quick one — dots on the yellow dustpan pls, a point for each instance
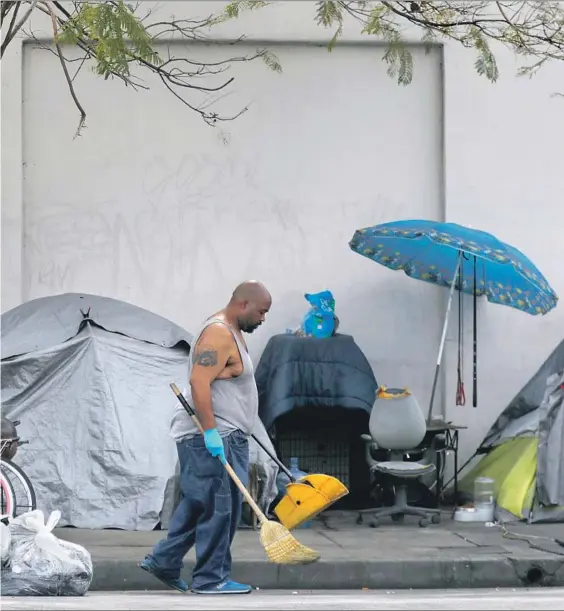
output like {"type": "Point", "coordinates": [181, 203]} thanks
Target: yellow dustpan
{"type": "Point", "coordinates": [305, 497]}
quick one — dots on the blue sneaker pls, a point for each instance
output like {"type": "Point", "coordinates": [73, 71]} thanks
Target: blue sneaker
{"type": "Point", "coordinates": [227, 587]}
{"type": "Point", "coordinates": [176, 583]}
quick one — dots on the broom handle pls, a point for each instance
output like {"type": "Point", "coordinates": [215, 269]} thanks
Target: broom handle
{"type": "Point", "coordinates": [260, 515]}
{"type": "Point", "coordinates": [275, 459]}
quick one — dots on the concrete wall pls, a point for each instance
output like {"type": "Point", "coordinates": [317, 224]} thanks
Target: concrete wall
{"type": "Point", "coordinates": [152, 206]}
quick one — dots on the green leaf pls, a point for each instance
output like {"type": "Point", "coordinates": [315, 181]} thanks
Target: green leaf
{"type": "Point", "coordinates": [271, 61]}
{"type": "Point", "coordinates": [233, 9]}
{"type": "Point", "coordinates": [374, 23]}
{"type": "Point", "coordinates": [334, 39]}
{"type": "Point", "coordinates": [485, 63]}
{"type": "Point", "coordinates": [392, 57]}
{"type": "Point", "coordinates": [114, 35]}
{"type": "Point", "coordinates": [428, 39]}
{"type": "Point", "coordinates": [405, 71]}
{"type": "Point", "coordinates": [328, 12]}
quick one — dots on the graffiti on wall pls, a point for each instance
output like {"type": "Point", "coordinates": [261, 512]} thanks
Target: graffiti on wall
{"type": "Point", "coordinates": [187, 225]}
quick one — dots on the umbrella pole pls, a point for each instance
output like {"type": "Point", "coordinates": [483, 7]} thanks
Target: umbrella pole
{"type": "Point", "coordinates": [475, 343]}
{"type": "Point", "coordinates": [443, 337]}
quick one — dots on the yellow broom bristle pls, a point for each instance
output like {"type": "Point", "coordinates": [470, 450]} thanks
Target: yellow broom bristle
{"type": "Point", "coordinates": [282, 548]}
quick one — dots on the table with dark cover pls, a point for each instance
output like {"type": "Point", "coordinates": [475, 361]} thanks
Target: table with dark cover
{"type": "Point", "coordinates": [297, 371]}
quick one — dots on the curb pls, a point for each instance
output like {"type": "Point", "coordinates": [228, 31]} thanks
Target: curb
{"type": "Point", "coordinates": [382, 574]}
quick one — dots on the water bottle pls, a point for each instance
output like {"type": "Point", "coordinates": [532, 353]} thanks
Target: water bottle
{"type": "Point", "coordinates": [297, 474]}
{"type": "Point", "coordinates": [484, 490]}
{"type": "Point", "coordinates": [295, 469]}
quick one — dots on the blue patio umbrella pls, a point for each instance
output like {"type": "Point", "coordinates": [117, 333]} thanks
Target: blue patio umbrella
{"type": "Point", "coordinates": [458, 257]}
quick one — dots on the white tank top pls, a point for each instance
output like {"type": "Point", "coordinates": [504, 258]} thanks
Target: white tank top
{"type": "Point", "coordinates": [234, 400]}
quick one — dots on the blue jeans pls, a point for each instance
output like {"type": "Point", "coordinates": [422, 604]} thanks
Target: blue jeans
{"type": "Point", "coordinates": [208, 513]}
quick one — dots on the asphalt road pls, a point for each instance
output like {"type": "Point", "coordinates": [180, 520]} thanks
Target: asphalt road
{"type": "Point", "coordinates": [530, 599]}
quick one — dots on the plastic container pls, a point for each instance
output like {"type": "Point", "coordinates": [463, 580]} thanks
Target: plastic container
{"type": "Point", "coordinates": [295, 468]}
{"type": "Point", "coordinates": [484, 490]}
{"type": "Point", "coordinates": [484, 497]}
{"type": "Point", "coordinates": [470, 514]}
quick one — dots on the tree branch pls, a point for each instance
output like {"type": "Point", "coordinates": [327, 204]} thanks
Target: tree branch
{"type": "Point", "coordinates": [119, 43]}
{"type": "Point", "coordinates": [82, 121]}
{"type": "Point", "coordinates": [530, 28]}
{"type": "Point", "coordinates": [12, 31]}
{"type": "Point", "coordinates": [211, 118]}
{"type": "Point", "coordinates": [13, 20]}
{"type": "Point", "coordinates": [85, 46]}
{"type": "Point", "coordinates": [5, 8]}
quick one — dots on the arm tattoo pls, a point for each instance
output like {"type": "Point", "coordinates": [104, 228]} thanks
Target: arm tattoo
{"type": "Point", "coordinates": [206, 356]}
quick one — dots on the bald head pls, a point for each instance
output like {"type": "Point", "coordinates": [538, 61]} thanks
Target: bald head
{"type": "Point", "coordinates": [251, 289]}
{"type": "Point", "coordinates": [249, 305]}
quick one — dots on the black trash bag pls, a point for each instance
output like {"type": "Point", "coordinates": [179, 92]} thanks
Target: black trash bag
{"type": "Point", "coordinates": [42, 565]}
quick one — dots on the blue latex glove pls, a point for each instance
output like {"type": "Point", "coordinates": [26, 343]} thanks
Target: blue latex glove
{"type": "Point", "coordinates": [214, 444]}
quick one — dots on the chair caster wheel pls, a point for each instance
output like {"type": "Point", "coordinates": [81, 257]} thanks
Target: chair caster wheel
{"type": "Point", "coordinates": [436, 518]}
{"type": "Point", "coordinates": [374, 524]}
{"type": "Point", "coordinates": [399, 517]}
{"type": "Point", "coordinates": [423, 522]}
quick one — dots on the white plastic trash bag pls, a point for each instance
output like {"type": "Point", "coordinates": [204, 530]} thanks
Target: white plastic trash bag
{"type": "Point", "coordinates": [5, 539]}
{"type": "Point", "coordinates": [41, 564]}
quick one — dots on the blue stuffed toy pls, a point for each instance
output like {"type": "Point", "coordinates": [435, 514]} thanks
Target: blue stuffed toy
{"type": "Point", "coordinates": [320, 319]}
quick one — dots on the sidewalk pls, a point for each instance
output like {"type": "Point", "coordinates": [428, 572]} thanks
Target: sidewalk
{"type": "Point", "coordinates": [394, 556]}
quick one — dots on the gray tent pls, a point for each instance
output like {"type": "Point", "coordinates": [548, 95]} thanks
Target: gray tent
{"type": "Point", "coordinates": [88, 377]}
{"type": "Point", "coordinates": [525, 448]}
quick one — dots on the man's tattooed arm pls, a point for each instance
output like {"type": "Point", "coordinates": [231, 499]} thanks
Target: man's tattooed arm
{"type": "Point", "coordinates": [209, 359]}
{"type": "Point", "coordinates": [206, 356]}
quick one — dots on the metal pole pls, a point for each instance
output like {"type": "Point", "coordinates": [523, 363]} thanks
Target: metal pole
{"type": "Point", "coordinates": [475, 342]}
{"type": "Point", "coordinates": [443, 337]}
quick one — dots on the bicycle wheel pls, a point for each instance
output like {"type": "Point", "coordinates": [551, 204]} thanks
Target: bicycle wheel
{"type": "Point", "coordinates": [24, 493]}
{"type": "Point", "coordinates": [8, 497]}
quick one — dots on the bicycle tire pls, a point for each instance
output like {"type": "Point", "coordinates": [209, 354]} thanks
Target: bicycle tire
{"type": "Point", "coordinates": [7, 466]}
{"type": "Point", "coordinates": [8, 506]}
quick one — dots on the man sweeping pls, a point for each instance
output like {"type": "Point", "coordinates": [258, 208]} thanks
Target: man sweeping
{"type": "Point", "coordinates": [224, 395]}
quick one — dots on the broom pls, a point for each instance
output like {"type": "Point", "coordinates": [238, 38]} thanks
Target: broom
{"type": "Point", "coordinates": [280, 546]}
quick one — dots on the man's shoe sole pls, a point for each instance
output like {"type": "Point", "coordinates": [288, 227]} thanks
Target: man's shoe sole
{"type": "Point", "coordinates": [162, 579]}
{"type": "Point", "coordinates": [221, 592]}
